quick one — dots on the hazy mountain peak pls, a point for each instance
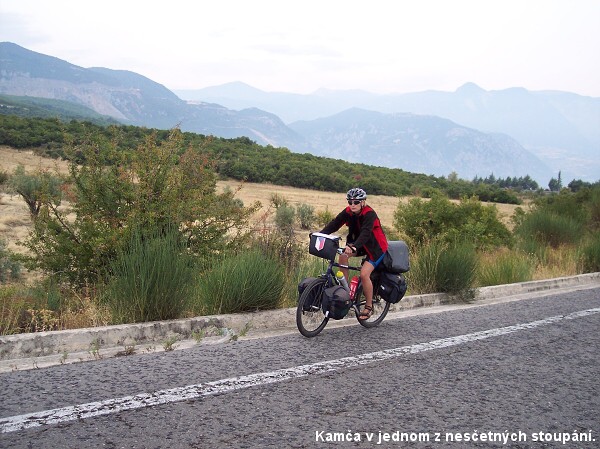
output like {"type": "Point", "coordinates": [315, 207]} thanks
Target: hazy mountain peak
{"type": "Point", "coordinates": [469, 89]}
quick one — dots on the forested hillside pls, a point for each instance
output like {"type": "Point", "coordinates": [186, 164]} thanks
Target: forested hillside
{"type": "Point", "coordinates": [243, 159]}
{"type": "Point", "coordinates": [47, 108]}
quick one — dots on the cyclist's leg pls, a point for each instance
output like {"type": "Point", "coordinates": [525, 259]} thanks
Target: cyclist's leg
{"type": "Point", "coordinates": [367, 286]}
{"type": "Point", "coordinates": [343, 260]}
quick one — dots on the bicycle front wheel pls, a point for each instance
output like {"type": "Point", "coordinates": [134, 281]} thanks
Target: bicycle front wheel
{"type": "Point", "coordinates": [310, 319]}
{"type": "Point", "coordinates": [380, 308]}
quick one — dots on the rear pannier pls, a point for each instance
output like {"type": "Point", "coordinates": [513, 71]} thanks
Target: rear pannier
{"type": "Point", "coordinates": [396, 257]}
{"type": "Point", "coordinates": [392, 287]}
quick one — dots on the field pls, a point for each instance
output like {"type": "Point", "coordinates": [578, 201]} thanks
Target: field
{"type": "Point", "coordinates": [15, 221]}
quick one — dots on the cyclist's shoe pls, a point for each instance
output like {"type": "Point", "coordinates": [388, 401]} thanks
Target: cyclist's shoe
{"type": "Point", "coordinates": [366, 313]}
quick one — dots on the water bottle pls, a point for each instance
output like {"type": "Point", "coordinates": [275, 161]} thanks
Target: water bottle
{"type": "Point", "coordinates": [353, 284]}
{"type": "Point", "coordinates": [342, 280]}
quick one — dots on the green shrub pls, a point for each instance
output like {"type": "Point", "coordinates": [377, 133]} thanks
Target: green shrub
{"type": "Point", "coordinates": [549, 228]}
{"type": "Point", "coordinates": [112, 191]}
{"type": "Point", "coordinates": [309, 266]}
{"type": "Point", "coordinates": [284, 217]}
{"type": "Point", "coordinates": [306, 215]}
{"type": "Point", "coordinates": [246, 282]}
{"type": "Point", "coordinates": [324, 217]}
{"type": "Point", "coordinates": [10, 268]}
{"type": "Point", "coordinates": [36, 188]}
{"type": "Point", "coordinates": [440, 219]}
{"type": "Point", "coordinates": [590, 255]}
{"type": "Point", "coordinates": [456, 271]}
{"type": "Point", "coordinates": [423, 268]}
{"type": "Point", "coordinates": [152, 278]}
{"type": "Point", "coordinates": [506, 268]}
{"type": "Point", "coordinates": [444, 267]}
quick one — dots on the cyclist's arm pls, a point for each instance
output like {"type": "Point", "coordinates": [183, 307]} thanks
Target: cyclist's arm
{"type": "Point", "coordinates": [335, 224]}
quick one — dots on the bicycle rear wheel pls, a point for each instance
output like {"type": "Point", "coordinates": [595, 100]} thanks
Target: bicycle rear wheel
{"type": "Point", "coordinates": [380, 307]}
{"type": "Point", "coordinates": [310, 319]}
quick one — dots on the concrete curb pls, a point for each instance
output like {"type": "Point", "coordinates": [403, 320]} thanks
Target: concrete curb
{"type": "Point", "coordinates": [115, 340]}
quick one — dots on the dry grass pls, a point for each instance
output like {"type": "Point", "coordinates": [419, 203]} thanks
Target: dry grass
{"type": "Point", "coordinates": [334, 202]}
{"type": "Point", "coordinates": [11, 158]}
{"type": "Point", "coordinates": [563, 261]}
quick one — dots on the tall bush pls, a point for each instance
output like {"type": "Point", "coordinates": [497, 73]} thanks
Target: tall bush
{"type": "Point", "coordinates": [306, 215]}
{"type": "Point", "coordinates": [457, 268]}
{"type": "Point", "coordinates": [506, 268]}
{"type": "Point", "coordinates": [442, 267]}
{"type": "Point", "coordinates": [548, 228]}
{"type": "Point", "coordinates": [284, 217]}
{"type": "Point", "coordinates": [37, 188]}
{"type": "Point", "coordinates": [246, 282]}
{"type": "Point", "coordinates": [153, 278]}
{"type": "Point", "coordinates": [590, 254]}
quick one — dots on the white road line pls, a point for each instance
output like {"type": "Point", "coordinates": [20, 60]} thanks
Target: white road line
{"type": "Point", "coordinates": [91, 409]}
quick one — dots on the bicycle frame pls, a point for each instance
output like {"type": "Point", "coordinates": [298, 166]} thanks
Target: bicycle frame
{"type": "Point", "coordinates": [329, 275]}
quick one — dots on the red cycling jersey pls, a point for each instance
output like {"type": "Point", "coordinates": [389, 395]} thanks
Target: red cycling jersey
{"type": "Point", "coordinates": [364, 231]}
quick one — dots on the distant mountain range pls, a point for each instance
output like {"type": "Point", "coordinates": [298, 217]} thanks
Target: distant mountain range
{"type": "Point", "coordinates": [131, 98]}
{"type": "Point", "coordinates": [473, 132]}
{"type": "Point", "coordinates": [417, 143]}
{"type": "Point", "coordinates": [562, 129]}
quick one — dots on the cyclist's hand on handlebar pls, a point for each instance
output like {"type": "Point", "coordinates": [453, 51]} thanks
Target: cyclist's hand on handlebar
{"type": "Point", "coordinates": [349, 250]}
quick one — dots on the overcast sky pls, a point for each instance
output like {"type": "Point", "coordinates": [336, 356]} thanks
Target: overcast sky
{"type": "Point", "coordinates": [302, 45]}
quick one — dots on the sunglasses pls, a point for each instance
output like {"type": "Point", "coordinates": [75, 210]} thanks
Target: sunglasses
{"type": "Point", "coordinates": [355, 202]}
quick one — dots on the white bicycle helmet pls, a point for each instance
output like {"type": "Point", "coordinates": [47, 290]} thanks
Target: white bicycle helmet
{"type": "Point", "coordinates": [356, 194]}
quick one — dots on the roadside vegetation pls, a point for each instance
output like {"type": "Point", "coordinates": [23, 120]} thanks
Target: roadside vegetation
{"type": "Point", "coordinates": [136, 230]}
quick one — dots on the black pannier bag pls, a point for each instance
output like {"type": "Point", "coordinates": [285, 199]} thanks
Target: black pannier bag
{"type": "Point", "coordinates": [396, 259]}
{"type": "Point", "coordinates": [392, 287]}
{"type": "Point", "coordinates": [324, 245]}
{"type": "Point", "coordinates": [309, 302]}
{"type": "Point", "coordinates": [336, 301]}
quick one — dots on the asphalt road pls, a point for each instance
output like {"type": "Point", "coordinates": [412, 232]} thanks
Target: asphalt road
{"type": "Point", "coordinates": [518, 374]}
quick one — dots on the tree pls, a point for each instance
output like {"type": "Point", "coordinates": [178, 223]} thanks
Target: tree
{"type": "Point", "coordinates": [555, 184]}
{"type": "Point", "coordinates": [113, 193]}
{"type": "Point", "coordinates": [36, 188]}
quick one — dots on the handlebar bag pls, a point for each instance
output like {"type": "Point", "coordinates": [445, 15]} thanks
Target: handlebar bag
{"type": "Point", "coordinates": [324, 245]}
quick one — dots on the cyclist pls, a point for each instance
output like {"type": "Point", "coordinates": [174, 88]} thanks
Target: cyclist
{"type": "Point", "coordinates": [365, 238]}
